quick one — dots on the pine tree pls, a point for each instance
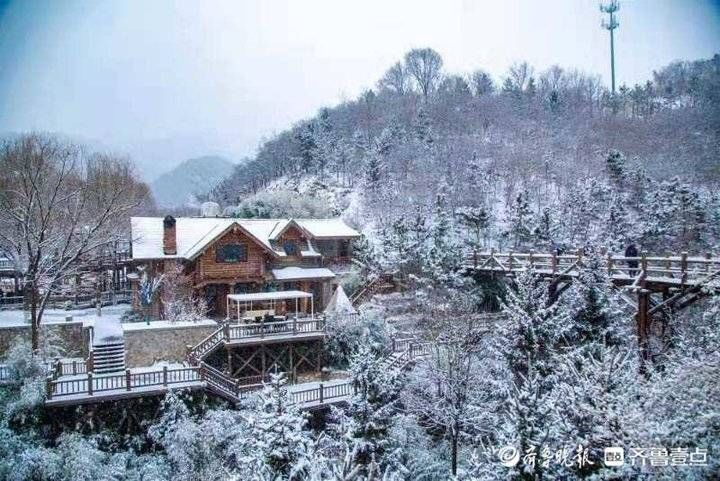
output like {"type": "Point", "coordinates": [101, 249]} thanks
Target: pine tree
{"type": "Point", "coordinates": [477, 221]}
{"type": "Point", "coordinates": [423, 128]}
{"type": "Point", "coordinates": [620, 231]}
{"type": "Point", "coordinates": [277, 431]}
{"type": "Point", "coordinates": [526, 347]}
{"type": "Point", "coordinates": [441, 259]}
{"type": "Point", "coordinates": [596, 365]}
{"type": "Point", "coordinates": [305, 137]}
{"type": "Point", "coordinates": [369, 415]}
{"type": "Point", "coordinates": [546, 228]}
{"type": "Point", "coordinates": [518, 220]}
{"type": "Point", "coordinates": [615, 165]}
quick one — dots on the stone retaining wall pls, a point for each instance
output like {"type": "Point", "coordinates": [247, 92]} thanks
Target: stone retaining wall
{"type": "Point", "coordinates": [70, 335]}
{"type": "Point", "coordinates": [162, 341]}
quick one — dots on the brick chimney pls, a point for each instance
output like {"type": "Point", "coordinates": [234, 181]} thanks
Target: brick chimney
{"type": "Point", "coordinates": [169, 236]}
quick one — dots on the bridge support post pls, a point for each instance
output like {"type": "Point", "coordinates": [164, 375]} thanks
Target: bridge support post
{"type": "Point", "coordinates": [642, 324]}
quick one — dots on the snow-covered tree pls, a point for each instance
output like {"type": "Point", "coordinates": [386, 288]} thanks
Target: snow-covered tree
{"type": "Point", "coordinates": [525, 347]}
{"type": "Point", "coordinates": [615, 165]}
{"type": "Point", "coordinates": [59, 207]}
{"type": "Point", "coordinates": [519, 219]}
{"type": "Point", "coordinates": [443, 253]}
{"type": "Point", "coordinates": [179, 300]}
{"type": "Point", "coordinates": [445, 389]}
{"type": "Point", "coordinates": [277, 435]}
{"type": "Point", "coordinates": [370, 412]}
{"type": "Point", "coordinates": [477, 221]}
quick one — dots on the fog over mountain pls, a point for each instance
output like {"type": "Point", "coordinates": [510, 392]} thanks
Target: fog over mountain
{"type": "Point", "coordinates": [165, 81]}
{"type": "Point", "coordinates": [181, 186]}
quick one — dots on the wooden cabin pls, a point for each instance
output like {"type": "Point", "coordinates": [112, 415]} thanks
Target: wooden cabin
{"type": "Point", "coordinates": [235, 256]}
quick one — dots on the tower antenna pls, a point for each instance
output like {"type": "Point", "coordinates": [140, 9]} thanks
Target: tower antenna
{"type": "Point", "coordinates": [611, 24]}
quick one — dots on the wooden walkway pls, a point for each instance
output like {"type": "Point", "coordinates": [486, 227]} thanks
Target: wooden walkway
{"type": "Point", "coordinates": [68, 390]}
{"type": "Point", "coordinates": [677, 270]}
{"type": "Point", "coordinates": [661, 284]}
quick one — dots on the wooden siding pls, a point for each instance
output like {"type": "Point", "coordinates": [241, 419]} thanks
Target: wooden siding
{"type": "Point", "coordinates": [293, 234]}
{"type": "Point", "coordinates": [207, 269]}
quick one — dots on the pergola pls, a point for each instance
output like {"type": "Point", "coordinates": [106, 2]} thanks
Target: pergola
{"type": "Point", "coordinates": [247, 300]}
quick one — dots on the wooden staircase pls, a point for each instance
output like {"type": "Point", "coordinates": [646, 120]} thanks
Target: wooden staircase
{"type": "Point", "coordinates": [378, 285]}
{"type": "Point", "coordinates": [109, 357]}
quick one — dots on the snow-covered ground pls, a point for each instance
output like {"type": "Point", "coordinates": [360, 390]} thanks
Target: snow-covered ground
{"type": "Point", "coordinates": [89, 317]}
{"type": "Point", "coordinates": [106, 326]}
{"type": "Point", "coordinates": [142, 326]}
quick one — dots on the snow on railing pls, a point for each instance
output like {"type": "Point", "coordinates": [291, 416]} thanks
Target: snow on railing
{"type": "Point", "coordinates": [259, 330]}
{"type": "Point", "coordinates": [680, 269]}
{"type": "Point", "coordinates": [119, 383]}
{"type": "Point", "coordinates": [275, 328]}
{"type": "Point", "coordinates": [61, 301]}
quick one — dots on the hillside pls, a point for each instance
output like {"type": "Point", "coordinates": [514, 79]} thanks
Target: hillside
{"type": "Point", "coordinates": [545, 159]}
{"type": "Point", "coordinates": [194, 177]}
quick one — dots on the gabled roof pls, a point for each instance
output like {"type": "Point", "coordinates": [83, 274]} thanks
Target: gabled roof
{"type": "Point", "coordinates": [195, 234]}
{"type": "Point", "coordinates": [284, 225]}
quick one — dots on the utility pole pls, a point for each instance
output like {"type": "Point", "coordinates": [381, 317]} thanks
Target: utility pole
{"type": "Point", "coordinates": [611, 24]}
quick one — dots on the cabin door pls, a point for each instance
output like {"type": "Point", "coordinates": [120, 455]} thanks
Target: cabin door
{"type": "Point", "coordinates": [216, 298]}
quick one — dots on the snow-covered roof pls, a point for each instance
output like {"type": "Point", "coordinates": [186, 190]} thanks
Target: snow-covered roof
{"type": "Point", "coordinates": [269, 296]}
{"type": "Point", "coordinates": [327, 228]}
{"type": "Point", "coordinates": [194, 234]}
{"type": "Point", "coordinates": [298, 273]}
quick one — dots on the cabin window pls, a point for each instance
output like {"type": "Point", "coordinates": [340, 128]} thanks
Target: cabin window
{"type": "Point", "coordinates": [231, 253]}
{"type": "Point", "coordinates": [290, 248]}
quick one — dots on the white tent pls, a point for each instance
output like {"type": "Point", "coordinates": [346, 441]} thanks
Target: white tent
{"type": "Point", "coordinates": [339, 303]}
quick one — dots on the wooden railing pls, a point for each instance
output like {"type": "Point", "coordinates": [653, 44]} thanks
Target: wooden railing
{"type": "Point", "coordinates": [323, 393]}
{"type": "Point", "coordinates": [220, 381]}
{"type": "Point", "coordinates": [60, 301]}
{"type": "Point", "coordinates": [207, 345]}
{"type": "Point", "coordinates": [269, 329]}
{"type": "Point", "coordinates": [67, 367]}
{"type": "Point", "coordinates": [259, 330]}
{"type": "Point", "coordinates": [681, 269]}
{"type": "Point", "coordinates": [127, 381]}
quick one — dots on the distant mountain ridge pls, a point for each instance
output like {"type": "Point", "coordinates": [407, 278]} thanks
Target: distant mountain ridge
{"type": "Point", "coordinates": [181, 186]}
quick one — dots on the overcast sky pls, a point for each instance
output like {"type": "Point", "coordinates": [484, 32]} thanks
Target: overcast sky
{"type": "Point", "coordinates": [164, 80]}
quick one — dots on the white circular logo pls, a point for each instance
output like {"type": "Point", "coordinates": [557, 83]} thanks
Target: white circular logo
{"type": "Point", "coordinates": [509, 456]}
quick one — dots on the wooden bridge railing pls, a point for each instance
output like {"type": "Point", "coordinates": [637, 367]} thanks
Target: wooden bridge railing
{"type": "Point", "coordinates": [680, 269]}
{"type": "Point", "coordinates": [127, 381]}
